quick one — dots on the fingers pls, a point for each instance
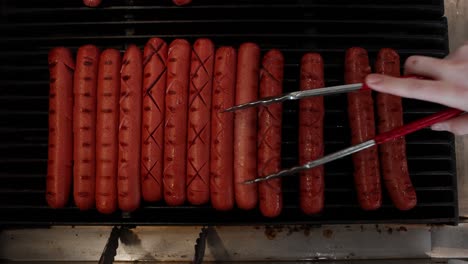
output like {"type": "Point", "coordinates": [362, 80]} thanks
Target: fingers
{"type": "Point", "coordinates": [428, 90]}
{"type": "Point", "coordinates": [428, 67]}
{"type": "Point", "coordinates": [457, 125]}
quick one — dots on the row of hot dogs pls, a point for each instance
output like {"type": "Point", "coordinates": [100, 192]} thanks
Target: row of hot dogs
{"type": "Point", "coordinates": [96, 3]}
{"type": "Point", "coordinates": [149, 126]}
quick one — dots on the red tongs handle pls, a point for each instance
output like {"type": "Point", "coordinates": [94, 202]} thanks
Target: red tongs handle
{"type": "Point", "coordinates": [417, 125]}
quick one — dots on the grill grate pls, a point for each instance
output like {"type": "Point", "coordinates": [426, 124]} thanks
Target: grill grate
{"type": "Point", "coordinates": [31, 28]}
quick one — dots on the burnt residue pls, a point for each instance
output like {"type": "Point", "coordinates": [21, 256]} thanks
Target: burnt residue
{"type": "Point", "coordinates": [402, 229]}
{"type": "Point", "coordinates": [273, 230]}
{"type": "Point", "coordinates": [389, 230]}
{"type": "Point", "coordinates": [378, 229]}
{"type": "Point", "coordinates": [328, 233]}
{"type": "Point", "coordinates": [270, 232]}
{"type": "Point", "coordinates": [292, 229]}
{"type": "Point", "coordinates": [307, 230]}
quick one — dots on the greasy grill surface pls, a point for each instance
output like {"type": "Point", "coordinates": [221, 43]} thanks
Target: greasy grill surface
{"type": "Point", "coordinates": [30, 28]}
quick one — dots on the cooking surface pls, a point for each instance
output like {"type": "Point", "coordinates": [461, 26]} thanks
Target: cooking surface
{"type": "Point", "coordinates": [31, 28]}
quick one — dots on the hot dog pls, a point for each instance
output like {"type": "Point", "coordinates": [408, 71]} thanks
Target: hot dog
{"type": "Point", "coordinates": [393, 153]}
{"type": "Point", "coordinates": [311, 113]}
{"type": "Point", "coordinates": [84, 126]}
{"type": "Point", "coordinates": [222, 129]}
{"type": "Point", "coordinates": [245, 126]}
{"type": "Point", "coordinates": [152, 153]}
{"type": "Point", "coordinates": [92, 3]}
{"type": "Point", "coordinates": [107, 130]}
{"type": "Point", "coordinates": [59, 165]}
{"type": "Point", "coordinates": [361, 120]}
{"type": "Point", "coordinates": [182, 2]}
{"type": "Point", "coordinates": [175, 129]}
{"type": "Point", "coordinates": [269, 134]}
{"type": "Point", "coordinates": [131, 75]}
{"type": "Point", "coordinates": [198, 130]}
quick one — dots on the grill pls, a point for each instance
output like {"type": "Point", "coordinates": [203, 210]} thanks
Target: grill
{"type": "Point", "coordinates": [31, 28]}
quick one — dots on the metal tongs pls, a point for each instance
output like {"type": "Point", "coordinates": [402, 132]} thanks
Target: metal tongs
{"type": "Point", "coordinates": [379, 139]}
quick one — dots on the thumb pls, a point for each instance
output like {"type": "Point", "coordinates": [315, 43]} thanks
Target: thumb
{"type": "Point", "coordinates": [457, 125]}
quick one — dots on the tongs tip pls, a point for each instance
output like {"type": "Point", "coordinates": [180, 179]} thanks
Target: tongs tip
{"type": "Point", "coordinates": [252, 181]}
{"type": "Point", "coordinates": [228, 110]}
{"type": "Point", "coordinates": [239, 107]}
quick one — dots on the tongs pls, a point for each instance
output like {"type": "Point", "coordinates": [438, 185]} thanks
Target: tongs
{"type": "Point", "coordinates": [379, 139]}
{"type": "Point", "coordinates": [346, 88]}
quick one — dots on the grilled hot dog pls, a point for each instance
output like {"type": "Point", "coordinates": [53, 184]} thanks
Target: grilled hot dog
{"type": "Point", "coordinates": [393, 153]}
{"type": "Point", "coordinates": [198, 134]}
{"type": "Point", "coordinates": [175, 129]}
{"type": "Point", "coordinates": [107, 130]}
{"type": "Point", "coordinates": [269, 134]}
{"type": "Point", "coordinates": [84, 126]}
{"type": "Point", "coordinates": [222, 129]}
{"type": "Point", "coordinates": [311, 112]}
{"type": "Point", "coordinates": [59, 165]}
{"type": "Point", "coordinates": [361, 119]}
{"type": "Point", "coordinates": [152, 147]}
{"type": "Point", "coordinates": [131, 81]}
{"type": "Point", "coordinates": [245, 126]}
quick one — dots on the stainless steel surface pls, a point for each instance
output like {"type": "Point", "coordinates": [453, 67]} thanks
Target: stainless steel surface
{"type": "Point", "coordinates": [456, 12]}
{"type": "Point", "coordinates": [239, 243]}
{"type": "Point", "coordinates": [312, 164]}
{"type": "Point", "coordinates": [223, 243]}
{"type": "Point", "coordinates": [298, 95]}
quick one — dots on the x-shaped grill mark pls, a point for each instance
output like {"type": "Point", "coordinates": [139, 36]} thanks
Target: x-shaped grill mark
{"type": "Point", "coordinates": [198, 135]}
{"type": "Point", "coordinates": [202, 62]}
{"type": "Point", "coordinates": [152, 85]}
{"type": "Point", "coordinates": [197, 173]}
{"type": "Point", "coordinates": [268, 112]}
{"type": "Point", "coordinates": [198, 94]}
{"type": "Point", "coordinates": [155, 51]}
{"type": "Point", "coordinates": [200, 89]}
{"type": "Point", "coordinates": [149, 173]}
{"type": "Point", "coordinates": [151, 134]}
{"type": "Point", "coordinates": [264, 141]}
{"type": "Point", "coordinates": [265, 72]}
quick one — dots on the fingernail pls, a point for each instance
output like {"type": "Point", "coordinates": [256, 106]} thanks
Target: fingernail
{"type": "Point", "coordinates": [374, 79]}
{"type": "Point", "coordinates": [439, 127]}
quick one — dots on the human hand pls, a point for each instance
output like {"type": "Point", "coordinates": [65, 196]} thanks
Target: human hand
{"type": "Point", "coordinates": [449, 85]}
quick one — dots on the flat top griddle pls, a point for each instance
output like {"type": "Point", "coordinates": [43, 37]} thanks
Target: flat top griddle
{"type": "Point", "coordinates": [30, 28]}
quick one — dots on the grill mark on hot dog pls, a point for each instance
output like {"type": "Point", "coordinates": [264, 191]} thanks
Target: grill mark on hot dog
{"type": "Point", "coordinates": [175, 126]}
{"type": "Point", "coordinates": [245, 126]}
{"type": "Point", "coordinates": [393, 154]}
{"type": "Point", "coordinates": [198, 148]}
{"type": "Point", "coordinates": [361, 118]}
{"type": "Point", "coordinates": [85, 117]}
{"type": "Point", "coordinates": [311, 114]}
{"type": "Point", "coordinates": [128, 183]}
{"type": "Point", "coordinates": [269, 134]}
